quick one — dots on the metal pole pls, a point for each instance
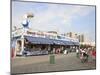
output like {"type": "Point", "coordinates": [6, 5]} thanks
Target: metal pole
{"type": "Point", "coordinates": [22, 42]}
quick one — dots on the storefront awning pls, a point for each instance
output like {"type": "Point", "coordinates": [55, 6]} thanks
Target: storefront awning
{"type": "Point", "coordinates": [76, 43]}
{"type": "Point", "coordinates": [68, 43]}
{"type": "Point", "coordinates": [38, 40]}
{"type": "Point", "coordinates": [58, 42]}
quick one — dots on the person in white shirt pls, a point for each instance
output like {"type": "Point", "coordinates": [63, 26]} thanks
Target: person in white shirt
{"type": "Point", "coordinates": [77, 52]}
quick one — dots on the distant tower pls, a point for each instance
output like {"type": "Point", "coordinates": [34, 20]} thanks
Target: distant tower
{"type": "Point", "coordinates": [69, 34]}
{"type": "Point", "coordinates": [81, 38]}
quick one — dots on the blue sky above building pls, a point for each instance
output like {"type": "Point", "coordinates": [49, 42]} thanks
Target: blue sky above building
{"type": "Point", "coordinates": [62, 18]}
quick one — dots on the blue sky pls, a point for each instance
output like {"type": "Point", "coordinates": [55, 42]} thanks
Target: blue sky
{"type": "Point", "coordinates": [61, 18]}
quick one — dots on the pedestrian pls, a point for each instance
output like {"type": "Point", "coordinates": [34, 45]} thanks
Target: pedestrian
{"type": "Point", "coordinates": [77, 52]}
{"type": "Point", "coordinates": [54, 50]}
{"type": "Point", "coordinates": [65, 51]}
{"type": "Point", "coordinates": [93, 54]}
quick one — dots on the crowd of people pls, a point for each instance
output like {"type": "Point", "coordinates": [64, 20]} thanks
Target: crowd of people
{"type": "Point", "coordinates": [84, 53]}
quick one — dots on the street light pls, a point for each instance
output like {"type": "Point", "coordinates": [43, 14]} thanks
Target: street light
{"type": "Point", "coordinates": [25, 24]}
{"type": "Point", "coordinates": [28, 15]}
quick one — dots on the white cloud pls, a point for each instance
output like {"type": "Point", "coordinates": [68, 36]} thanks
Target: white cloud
{"type": "Point", "coordinates": [58, 16]}
{"type": "Point", "coordinates": [55, 17]}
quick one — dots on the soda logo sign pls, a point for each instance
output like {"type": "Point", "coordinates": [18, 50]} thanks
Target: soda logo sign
{"type": "Point", "coordinates": [25, 23]}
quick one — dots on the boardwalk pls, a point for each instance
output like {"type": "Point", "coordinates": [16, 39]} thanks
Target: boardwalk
{"type": "Point", "coordinates": [41, 63]}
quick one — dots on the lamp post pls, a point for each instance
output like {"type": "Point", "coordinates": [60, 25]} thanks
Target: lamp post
{"type": "Point", "coordinates": [25, 24]}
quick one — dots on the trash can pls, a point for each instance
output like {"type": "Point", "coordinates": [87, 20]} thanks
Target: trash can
{"type": "Point", "coordinates": [52, 59]}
